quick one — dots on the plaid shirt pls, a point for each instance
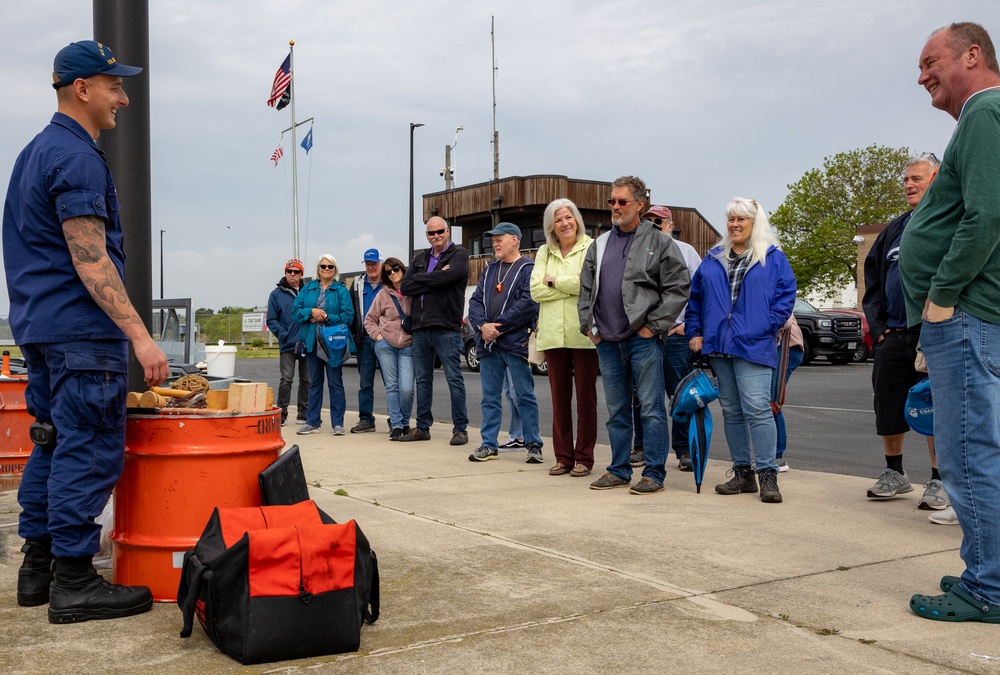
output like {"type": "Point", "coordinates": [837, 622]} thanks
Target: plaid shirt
{"type": "Point", "coordinates": [738, 266]}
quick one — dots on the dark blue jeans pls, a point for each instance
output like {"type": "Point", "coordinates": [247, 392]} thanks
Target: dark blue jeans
{"type": "Point", "coordinates": [318, 371]}
{"type": "Point", "coordinates": [634, 361]}
{"type": "Point", "coordinates": [367, 360]}
{"type": "Point", "coordinates": [78, 387]}
{"type": "Point", "coordinates": [447, 346]}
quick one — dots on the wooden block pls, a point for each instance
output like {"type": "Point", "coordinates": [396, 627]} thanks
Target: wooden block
{"type": "Point", "coordinates": [217, 399]}
{"type": "Point", "coordinates": [270, 398]}
{"type": "Point", "coordinates": [151, 399]}
{"type": "Point", "coordinates": [248, 397]}
{"type": "Point", "coordinates": [132, 400]}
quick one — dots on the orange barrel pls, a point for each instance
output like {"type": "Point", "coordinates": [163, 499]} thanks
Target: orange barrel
{"type": "Point", "coordinates": [178, 468]}
{"type": "Point", "coordinates": [15, 443]}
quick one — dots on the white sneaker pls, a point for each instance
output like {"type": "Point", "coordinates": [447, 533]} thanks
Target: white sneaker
{"type": "Point", "coordinates": [945, 517]}
{"type": "Point", "coordinates": [782, 465]}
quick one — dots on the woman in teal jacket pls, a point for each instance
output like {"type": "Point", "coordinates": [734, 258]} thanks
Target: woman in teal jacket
{"type": "Point", "coordinates": [324, 301]}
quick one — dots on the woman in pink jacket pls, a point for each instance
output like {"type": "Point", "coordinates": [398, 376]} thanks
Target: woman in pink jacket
{"type": "Point", "coordinates": [384, 323]}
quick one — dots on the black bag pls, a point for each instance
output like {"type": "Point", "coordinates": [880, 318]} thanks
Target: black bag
{"type": "Point", "coordinates": [284, 480]}
{"type": "Point", "coordinates": [274, 583]}
{"type": "Point", "coordinates": [407, 323]}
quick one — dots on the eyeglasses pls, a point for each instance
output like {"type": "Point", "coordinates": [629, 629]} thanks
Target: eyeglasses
{"type": "Point", "coordinates": [394, 268]}
{"type": "Point", "coordinates": [293, 271]}
{"type": "Point", "coordinates": [328, 267]}
{"type": "Point", "coordinates": [620, 202]}
{"type": "Point", "coordinates": [658, 221]}
{"type": "Point", "coordinates": [434, 233]}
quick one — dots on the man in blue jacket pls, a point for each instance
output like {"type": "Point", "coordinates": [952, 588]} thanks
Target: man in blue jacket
{"type": "Point", "coordinates": [502, 313]}
{"type": "Point", "coordinates": [286, 329]}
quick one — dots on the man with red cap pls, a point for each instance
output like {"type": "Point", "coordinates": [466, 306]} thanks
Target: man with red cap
{"type": "Point", "coordinates": [286, 329]}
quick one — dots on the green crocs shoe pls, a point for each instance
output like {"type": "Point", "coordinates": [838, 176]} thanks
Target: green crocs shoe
{"type": "Point", "coordinates": [955, 605]}
{"type": "Point", "coordinates": [947, 581]}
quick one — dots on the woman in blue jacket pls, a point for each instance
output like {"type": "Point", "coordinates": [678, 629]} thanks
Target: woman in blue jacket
{"type": "Point", "coordinates": [741, 296]}
{"type": "Point", "coordinates": [324, 301]}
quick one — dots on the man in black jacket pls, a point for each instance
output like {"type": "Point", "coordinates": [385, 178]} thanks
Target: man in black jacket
{"type": "Point", "coordinates": [436, 280]}
{"type": "Point", "coordinates": [896, 346]}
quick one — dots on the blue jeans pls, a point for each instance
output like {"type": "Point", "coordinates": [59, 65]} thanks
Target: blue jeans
{"type": "Point", "coordinates": [634, 361]}
{"type": "Point", "coordinates": [397, 371]}
{"type": "Point", "coordinates": [745, 395]}
{"type": "Point", "coordinates": [963, 360]}
{"type": "Point", "coordinates": [676, 364]}
{"type": "Point", "coordinates": [79, 388]}
{"type": "Point", "coordinates": [367, 361]}
{"type": "Point", "coordinates": [447, 346]}
{"type": "Point", "coordinates": [794, 361]}
{"type": "Point", "coordinates": [318, 369]}
{"type": "Point", "coordinates": [493, 369]}
{"type": "Point", "coordinates": [516, 430]}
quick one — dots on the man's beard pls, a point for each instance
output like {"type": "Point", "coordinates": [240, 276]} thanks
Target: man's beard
{"type": "Point", "coordinates": [619, 220]}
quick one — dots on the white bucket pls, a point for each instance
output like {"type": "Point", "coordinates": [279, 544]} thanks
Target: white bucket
{"type": "Point", "coordinates": [221, 360]}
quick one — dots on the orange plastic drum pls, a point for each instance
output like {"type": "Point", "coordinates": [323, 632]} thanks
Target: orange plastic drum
{"type": "Point", "coordinates": [178, 468]}
{"type": "Point", "coordinates": [15, 444]}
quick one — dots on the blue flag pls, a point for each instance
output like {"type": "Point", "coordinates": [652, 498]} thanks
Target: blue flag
{"type": "Point", "coordinates": [307, 142]}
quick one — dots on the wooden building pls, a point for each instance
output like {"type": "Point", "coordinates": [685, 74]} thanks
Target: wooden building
{"type": "Point", "coordinates": [522, 201]}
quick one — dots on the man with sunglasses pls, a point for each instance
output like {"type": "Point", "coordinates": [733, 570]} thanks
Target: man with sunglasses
{"type": "Point", "coordinates": [286, 329]}
{"type": "Point", "coordinates": [436, 280]}
{"type": "Point", "coordinates": [633, 285]}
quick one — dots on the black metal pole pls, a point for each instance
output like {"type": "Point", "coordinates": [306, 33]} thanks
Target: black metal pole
{"type": "Point", "coordinates": [124, 26]}
{"type": "Point", "coordinates": [410, 250]}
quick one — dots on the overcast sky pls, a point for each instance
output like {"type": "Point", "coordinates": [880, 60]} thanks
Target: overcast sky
{"type": "Point", "coordinates": [703, 99]}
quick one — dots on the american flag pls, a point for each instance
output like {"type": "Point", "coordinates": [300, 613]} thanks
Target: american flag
{"type": "Point", "coordinates": [276, 155]}
{"type": "Point", "coordinates": [282, 79]}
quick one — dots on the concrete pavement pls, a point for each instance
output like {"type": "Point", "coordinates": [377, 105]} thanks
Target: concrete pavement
{"type": "Point", "coordinates": [499, 567]}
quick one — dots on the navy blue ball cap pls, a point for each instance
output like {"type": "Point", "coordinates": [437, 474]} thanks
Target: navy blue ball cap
{"type": "Point", "coordinates": [505, 228]}
{"type": "Point", "coordinates": [80, 60]}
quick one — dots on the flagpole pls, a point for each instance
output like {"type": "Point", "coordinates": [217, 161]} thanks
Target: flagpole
{"type": "Point", "coordinates": [295, 174]}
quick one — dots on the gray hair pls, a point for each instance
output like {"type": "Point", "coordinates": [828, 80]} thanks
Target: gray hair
{"type": "Point", "coordinates": [549, 221]}
{"type": "Point", "coordinates": [635, 184]}
{"type": "Point", "coordinates": [928, 158]}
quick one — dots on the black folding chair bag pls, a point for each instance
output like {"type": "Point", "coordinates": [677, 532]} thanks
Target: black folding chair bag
{"type": "Point", "coordinates": [284, 480]}
{"type": "Point", "coordinates": [275, 583]}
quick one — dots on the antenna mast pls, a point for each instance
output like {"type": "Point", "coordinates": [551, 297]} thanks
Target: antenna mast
{"type": "Point", "coordinates": [496, 135]}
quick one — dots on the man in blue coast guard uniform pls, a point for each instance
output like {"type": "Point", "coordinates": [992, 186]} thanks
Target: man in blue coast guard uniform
{"type": "Point", "coordinates": [69, 312]}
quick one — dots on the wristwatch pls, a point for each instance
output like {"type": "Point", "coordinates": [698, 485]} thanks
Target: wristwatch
{"type": "Point", "coordinates": [551, 283]}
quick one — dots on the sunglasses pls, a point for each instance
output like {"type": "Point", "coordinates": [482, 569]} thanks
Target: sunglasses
{"type": "Point", "coordinates": [328, 267]}
{"type": "Point", "coordinates": [394, 268]}
{"type": "Point", "coordinates": [293, 271]}
{"type": "Point", "coordinates": [434, 233]}
{"type": "Point", "coordinates": [620, 202]}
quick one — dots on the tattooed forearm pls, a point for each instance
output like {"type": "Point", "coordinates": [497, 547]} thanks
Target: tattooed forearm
{"type": "Point", "coordinates": [85, 237]}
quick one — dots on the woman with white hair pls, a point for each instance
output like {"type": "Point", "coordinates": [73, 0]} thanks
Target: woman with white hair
{"type": "Point", "coordinates": [741, 296]}
{"type": "Point", "coordinates": [324, 301]}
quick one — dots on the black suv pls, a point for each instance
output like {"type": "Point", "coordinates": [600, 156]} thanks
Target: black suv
{"type": "Point", "coordinates": [835, 335]}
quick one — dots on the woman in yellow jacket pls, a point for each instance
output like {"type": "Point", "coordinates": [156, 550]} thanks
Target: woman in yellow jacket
{"type": "Point", "coordinates": [571, 357]}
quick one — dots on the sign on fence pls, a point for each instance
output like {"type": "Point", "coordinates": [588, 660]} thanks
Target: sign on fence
{"type": "Point", "coordinates": [253, 323]}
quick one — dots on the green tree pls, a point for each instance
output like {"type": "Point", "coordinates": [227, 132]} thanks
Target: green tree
{"type": "Point", "coordinates": [819, 218]}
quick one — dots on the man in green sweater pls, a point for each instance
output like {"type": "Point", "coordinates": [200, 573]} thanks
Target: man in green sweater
{"type": "Point", "coordinates": [949, 263]}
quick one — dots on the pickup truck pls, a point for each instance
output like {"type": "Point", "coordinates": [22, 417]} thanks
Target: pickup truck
{"type": "Point", "coordinates": [835, 335]}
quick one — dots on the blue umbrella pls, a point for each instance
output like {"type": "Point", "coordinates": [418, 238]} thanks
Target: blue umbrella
{"type": "Point", "coordinates": [690, 404]}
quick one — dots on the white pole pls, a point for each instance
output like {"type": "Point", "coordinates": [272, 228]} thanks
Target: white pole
{"type": "Point", "coordinates": [295, 173]}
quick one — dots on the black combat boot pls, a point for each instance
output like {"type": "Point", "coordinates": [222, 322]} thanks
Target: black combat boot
{"type": "Point", "coordinates": [769, 492]}
{"type": "Point", "coordinates": [79, 593]}
{"type": "Point", "coordinates": [35, 575]}
{"type": "Point", "coordinates": [743, 480]}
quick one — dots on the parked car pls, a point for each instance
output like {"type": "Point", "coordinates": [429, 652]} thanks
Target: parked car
{"type": "Point", "coordinates": [469, 350]}
{"type": "Point", "coordinates": [834, 334]}
{"type": "Point", "coordinates": [865, 349]}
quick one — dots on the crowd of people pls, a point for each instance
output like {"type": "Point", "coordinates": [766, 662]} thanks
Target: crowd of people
{"type": "Point", "coordinates": [631, 304]}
